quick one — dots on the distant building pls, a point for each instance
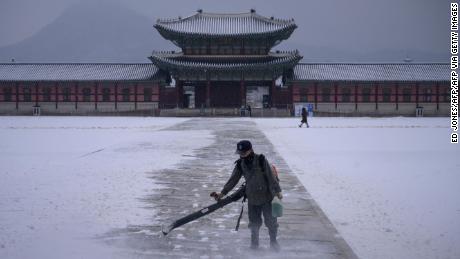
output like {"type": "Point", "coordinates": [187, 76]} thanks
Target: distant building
{"type": "Point", "coordinates": [226, 61]}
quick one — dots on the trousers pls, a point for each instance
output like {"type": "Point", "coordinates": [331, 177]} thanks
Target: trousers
{"type": "Point", "coordinates": [255, 213]}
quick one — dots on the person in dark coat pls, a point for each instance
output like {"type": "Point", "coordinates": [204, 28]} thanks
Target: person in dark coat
{"type": "Point", "coordinates": [261, 188]}
{"type": "Point", "coordinates": [249, 110]}
{"type": "Point", "coordinates": [304, 118]}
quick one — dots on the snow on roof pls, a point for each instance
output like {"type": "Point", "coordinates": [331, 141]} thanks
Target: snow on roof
{"type": "Point", "coordinates": [147, 71]}
{"type": "Point", "coordinates": [225, 24]}
{"type": "Point", "coordinates": [372, 72]}
{"type": "Point", "coordinates": [76, 71]}
{"type": "Point", "coordinates": [165, 59]}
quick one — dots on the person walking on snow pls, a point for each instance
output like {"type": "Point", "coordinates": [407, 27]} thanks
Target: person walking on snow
{"type": "Point", "coordinates": [261, 188]}
{"type": "Point", "coordinates": [304, 118]}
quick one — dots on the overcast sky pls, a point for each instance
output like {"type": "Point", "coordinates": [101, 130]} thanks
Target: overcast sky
{"type": "Point", "coordinates": [353, 24]}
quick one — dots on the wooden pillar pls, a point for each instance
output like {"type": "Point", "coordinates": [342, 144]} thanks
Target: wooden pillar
{"type": "Point", "coordinates": [159, 94]}
{"type": "Point", "coordinates": [397, 95]}
{"type": "Point", "coordinates": [356, 96]}
{"type": "Point", "coordinates": [17, 96]}
{"type": "Point", "coordinates": [208, 93]}
{"type": "Point", "coordinates": [316, 95]}
{"type": "Point", "coordinates": [336, 95]}
{"type": "Point", "coordinates": [272, 94]}
{"type": "Point", "coordinates": [116, 96]}
{"type": "Point", "coordinates": [376, 96]}
{"type": "Point", "coordinates": [36, 94]}
{"type": "Point", "coordinates": [135, 96]}
{"type": "Point", "coordinates": [76, 95]}
{"type": "Point", "coordinates": [416, 93]}
{"type": "Point", "coordinates": [56, 93]}
{"type": "Point", "coordinates": [95, 95]}
{"type": "Point", "coordinates": [437, 96]}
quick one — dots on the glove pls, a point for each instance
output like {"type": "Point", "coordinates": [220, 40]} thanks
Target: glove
{"type": "Point", "coordinates": [216, 195]}
{"type": "Point", "coordinates": [279, 195]}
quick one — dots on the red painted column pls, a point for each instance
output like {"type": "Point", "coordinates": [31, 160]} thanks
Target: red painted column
{"type": "Point", "coordinates": [272, 94]}
{"type": "Point", "coordinates": [135, 96]}
{"type": "Point", "coordinates": [316, 95]}
{"type": "Point", "coordinates": [95, 94]}
{"type": "Point", "coordinates": [376, 96]}
{"type": "Point", "coordinates": [158, 85]}
{"type": "Point", "coordinates": [76, 95]}
{"type": "Point", "coordinates": [437, 96]}
{"type": "Point", "coordinates": [291, 92]}
{"type": "Point", "coordinates": [335, 95]}
{"type": "Point", "coordinates": [17, 96]}
{"type": "Point", "coordinates": [356, 96]}
{"type": "Point", "coordinates": [56, 93]}
{"type": "Point", "coordinates": [36, 94]}
{"type": "Point", "coordinates": [416, 93]}
{"type": "Point", "coordinates": [116, 96]}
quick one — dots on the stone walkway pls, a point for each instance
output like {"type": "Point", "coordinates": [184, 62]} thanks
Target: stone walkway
{"type": "Point", "coordinates": [305, 232]}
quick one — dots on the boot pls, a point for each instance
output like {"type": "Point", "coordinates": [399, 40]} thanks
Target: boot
{"type": "Point", "coordinates": [254, 238]}
{"type": "Point", "coordinates": [273, 242]}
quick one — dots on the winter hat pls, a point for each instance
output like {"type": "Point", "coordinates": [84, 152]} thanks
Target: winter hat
{"type": "Point", "coordinates": [243, 146]}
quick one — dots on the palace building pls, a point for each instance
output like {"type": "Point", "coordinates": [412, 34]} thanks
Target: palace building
{"type": "Point", "coordinates": [225, 61]}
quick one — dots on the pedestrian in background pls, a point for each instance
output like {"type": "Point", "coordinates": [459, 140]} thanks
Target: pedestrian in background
{"type": "Point", "coordinates": [304, 118]}
{"type": "Point", "coordinates": [249, 110]}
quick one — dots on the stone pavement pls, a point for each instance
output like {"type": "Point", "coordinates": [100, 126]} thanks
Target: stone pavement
{"type": "Point", "coordinates": [304, 232]}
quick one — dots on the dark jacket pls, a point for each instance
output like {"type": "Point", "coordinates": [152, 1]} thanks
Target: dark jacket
{"type": "Point", "coordinates": [261, 186]}
{"type": "Point", "coordinates": [304, 115]}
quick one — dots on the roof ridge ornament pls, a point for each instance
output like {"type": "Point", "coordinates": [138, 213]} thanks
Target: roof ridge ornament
{"type": "Point", "coordinates": [253, 10]}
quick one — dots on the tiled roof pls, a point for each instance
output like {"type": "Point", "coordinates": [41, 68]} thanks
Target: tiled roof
{"type": "Point", "coordinates": [372, 72]}
{"type": "Point", "coordinates": [172, 60]}
{"type": "Point", "coordinates": [225, 24]}
{"type": "Point", "coordinates": [76, 71]}
{"type": "Point", "coordinates": [302, 71]}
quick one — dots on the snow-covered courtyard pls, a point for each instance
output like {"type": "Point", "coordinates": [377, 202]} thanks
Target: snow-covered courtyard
{"type": "Point", "coordinates": [389, 185]}
{"type": "Point", "coordinates": [65, 180]}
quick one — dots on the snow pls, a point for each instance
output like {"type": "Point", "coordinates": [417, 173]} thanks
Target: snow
{"type": "Point", "coordinates": [68, 180]}
{"type": "Point", "coordinates": [389, 185]}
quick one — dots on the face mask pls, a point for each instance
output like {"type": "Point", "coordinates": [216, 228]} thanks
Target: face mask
{"type": "Point", "coordinates": [249, 158]}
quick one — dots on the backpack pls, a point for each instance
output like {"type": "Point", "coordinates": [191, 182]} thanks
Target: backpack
{"type": "Point", "coordinates": [275, 172]}
{"type": "Point", "coordinates": [261, 164]}
{"type": "Point", "coordinates": [273, 167]}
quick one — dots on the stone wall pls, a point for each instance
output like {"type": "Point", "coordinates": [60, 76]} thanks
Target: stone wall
{"type": "Point", "coordinates": [80, 108]}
